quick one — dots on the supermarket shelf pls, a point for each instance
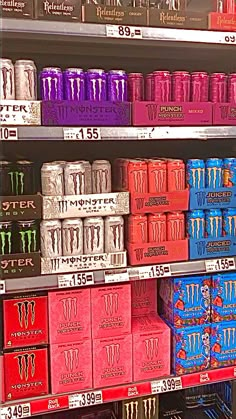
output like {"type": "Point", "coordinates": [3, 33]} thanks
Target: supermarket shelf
{"type": "Point", "coordinates": [59, 402]}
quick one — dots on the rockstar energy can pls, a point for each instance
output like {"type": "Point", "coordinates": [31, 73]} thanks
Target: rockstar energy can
{"type": "Point", "coordinates": [114, 234]}
{"type": "Point", "coordinates": [6, 238]}
{"type": "Point", "coordinates": [27, 236]}
{"type": "Point", "coordinates": [72, 237]}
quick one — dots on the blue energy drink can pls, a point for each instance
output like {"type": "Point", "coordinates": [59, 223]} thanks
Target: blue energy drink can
{"type": "Point", "coordinates": [214, 223]}
{"type": "Point", "coordinates": [196, 173]}
{"type": "Point", "coordinates": [229, 172]}
{"type": "Point", "coordinates": [214, 173]}
{"type": "Point", "coordinates": [196, 224]}
{"type": "Point", "coordinates": [229, 222]}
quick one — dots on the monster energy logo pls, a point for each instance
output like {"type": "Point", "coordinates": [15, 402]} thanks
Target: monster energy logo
{"type": "Point", "coordinates": [28, 240]}
{"type": "Point", "coordinates": [17, 182]}
{"type": "Point", "coordinates": [5, 238]}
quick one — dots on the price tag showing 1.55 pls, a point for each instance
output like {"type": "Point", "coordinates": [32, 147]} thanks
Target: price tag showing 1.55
{"type": "Point", "coordinates": [218, 265]}
{"type": "Point", "coordinates": [155, 271]}
{"type": "Point", "coordinates": [16, 411]}
{"type": "Point", "coordinates": [75, 280]}
{"type": "Point", "coordinates": [82, 134]}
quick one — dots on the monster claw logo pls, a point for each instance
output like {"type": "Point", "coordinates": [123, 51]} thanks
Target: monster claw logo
{"type": "Point", "coordinates": [113, 354]}
{"type": "Point", "coordinates": [230, 290]}
{"type": "Point", "coordinates": [111, 303]}
{"type": "Point", "coordinates": [55, 264]}
{"type": "Point", "coordinates": [152, 111]}
{"type": "Point", "coordinates": [25, 309]}
{"type": "Point", "coordinates": [196, 227]}
{"type": "Point", "coordinates": [97, 88]}
{"type": "Point", "coordinates": [160, 179]}
{"type": "Point", "coordinates": [78, 181]}
{"type": "Point", "coordinates": [191, 294]}
{"type": "Point", "coordinates": [151, 346]}
{"type": "Point", "coordinates": [6, 242]}
{"type": "Point", "coordinates": [71, 357]}
{"type": "Point", "coordinates": [28, 239]}
{"type": "Point", "coordinates": [5, 72]}
{"type": "Point", "coordinates": [30, 80]}
{"type": "Point", "coordinates": [176, 228]}
{"type": "Point", "coordinates": [139, 254]}
{"type": "Point", "coordinates": [197, 177]}
{"type": "Point", "coordinates": [26, 365]}
{"type": "Point", "coordinates": [229, 337]}
{"type": "Point", "coordinates": [69, 308]}
{"type": "Point", "coordinates": [194, 340]}
{"type": "Point", "coordinates": [158, 230]}
{"type": "Point", "coordinates": [55, 236]}
{"type": "Point", "coordinates": [63, 206]}
{"type": "Point", "coordinates": [17, 182]}
{"type": "Point", "coordinates": [201, 248]}
{"type": "Point", "coordinates": [149, 406]}
{"type": "Point", "coordinates": [139, 180]}
{"type": "Point", "coordinates": [75, 87]}
{"type": "Point", "coordinates": [139, 203]}
{"type": "Point", "coordinates": [201, 198]}
{"type": "Point", "coordinates": [131, 410]}
{"type": "Point", "coordinates": [91, 237]}
{"type": "Point", "coordinates": [140, 288]}
{"type": "Point", "coordinates": [117, 233]}
{"type": "Point", "coordinates": [120, 86]}
{"type": "Point", "coordinates": [179, 178]}
{"type": "Point", "coordinates": [71, 235]}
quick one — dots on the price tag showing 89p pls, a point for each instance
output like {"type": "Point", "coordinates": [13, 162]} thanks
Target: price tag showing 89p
{"type": "Point", "coordinates": [115, 31]}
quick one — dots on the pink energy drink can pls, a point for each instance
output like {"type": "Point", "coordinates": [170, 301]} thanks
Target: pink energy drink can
{"type": "Point", "coordinates": [161, 86]}
{"type": "Point", "coordinates": [218, 87]}
{"type": "Point", "coordinates": [199, 86]}
{"type": "Point", "coordinates": [149, 86]}
{"type": "Point", "coordinates": [232, 88]}
{"type": "Point", "coordinates": [181, 86]}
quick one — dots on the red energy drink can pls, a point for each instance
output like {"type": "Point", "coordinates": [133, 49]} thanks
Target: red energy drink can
{"type": "Point", "coordinates": [137, 229]}
{"type": "Point", "coordinates": [120, 180]}
{"type": "Point", "coordinates": [149, 84]}
{"type": "Point", "coordinates": [229, 6]}
{"type": "Point", "coordinates": [181, 81]}
{"type": "Point", "coordinates": [161, 86]}
{"type": "Point", "coordinates": [218, 88]}
{"type": "Point", "coordinates": [157, 228]}
{"type": "Point", "coordinates": [175, 226]}
{"type": "Point", "coordinates": [157, 176]}
{"type": "Point", "coordinates": [138, 176]}
{"type": "Point", "coordinates": [175, 175]}
{"type": "Point", "coordinates": [199, 86]}
{"type": "Point", "coordinates": [232, 88]}
{"type": "Point", "coordinates": [135, 87]}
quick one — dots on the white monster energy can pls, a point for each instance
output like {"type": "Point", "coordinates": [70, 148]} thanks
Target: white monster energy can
{"type": "Point", "coordinates": [25, 80]}
{"type": "Point", "coordinates": [51, 238]}
{"type": "Point", "coordinates": [72, 237]}
{"type": "Point", "coordinates": [52, 179]}
{"type": "Point", "coordinates": [114, 234]}
{"type": "Point", "coordinates": [77, 178]}
{"type": "Point", "coordinates": [101, 176]}
{"type": "Point", "coordinates": [93, 235]}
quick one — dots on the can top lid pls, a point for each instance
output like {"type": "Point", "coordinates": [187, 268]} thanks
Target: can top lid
{"type": "Point", "coordinates": [74, 70]}
{"type": "Point", "coordinates": [199, 73]}
{"type": "Point", "coordinates": [101, 162]}
{"type": "Point", "coordinates": [55, 69]}
{"type": "Point", "coordinates": [6, 223]}
{"type": "Point", "coordinates": [51, 165]}
{"type": "Point", "coordinates": [26, 222]}
{"type": "Point", "coordinates": [8, 60]}
{"type": "Point", "coordinates": [4, 162]}
{"type": "Point", "coordinates": [24, 162]}
{"type": "Point", "coordinates": [25, 61]}
{"type": "Point", "coordinates": [218, 74]}
{"type": "Point", "coordinates": [117, 72]}
{"type": "Point", "coordinates": [135, 75]}
{"type": "Point", "coordinates": [96, 70]}
{"type": "Point", "coordinates": [164, 72]}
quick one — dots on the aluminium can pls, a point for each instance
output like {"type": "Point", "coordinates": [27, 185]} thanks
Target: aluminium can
{"type": "Point", "coordinates": [114, 234]}
{"type": "Point", "coordinates": [196, 224]}
{"type": "Point", "coordinates": [149, 87]}
{"type": "Point", "coordinates": [96, 85]}
{"type": "Point", "coordinates": [196, 173]}
{"type": "Point", "coordinates": [176, 175]}
{"type": "Point", "coordinates": [51, 238]}
{"type": "Point", "coordinates": [27, 236]}
{"type": "Point", "coordinates": [101, 176]}
{"type": "Point", "coordinates": [52, 179]}
{"type": "Point", "coordinates": [214, 223]}
{"type": "Point", "coordinates": [157, 175]}
{"type": "Point", "coordinates": [229, 222]}
{"type": "Point", "coordinates": [25, 80]}
{"type": "Point", "coordinates": [6, 238]}
{"type": "Point", "coordinates": [51, 83]}
{"type": "Point", "coordinates": [137, 229]}
{"type": "Point", "coordinates": [77, 178]}
{"type": "Point", "coordinates": [229, 7]}
{"type": "Point", "coordinates": [6, 170]}
{"type": "Point", "coordinates": [137, 176]}
{"type": "Point", "coordinates": [214, 173]}
{"type": "Point", "coordinates": [7, 79]}
{"type": "Point", "coordinates": [72, 237]}
{"type": "Point", "coordinates": [229, 172]}
{"type": "Point", "coordinates": [181, 83]}
{"type": "Point", "coordinates": [161, 86]}
{"type": "Point", "coordinates": [74, 84]}
{"type": "Point", "coordinates": [117, 86]}
{"type": "Point", "coordinates": [218, 88]}
{"type": "Point", "coordinates": [24, 178]}
{"type": "Point", "coordinates": [199, 86]}
{"type": "Point", "coordinates": [135, 87]}
{"type": "Point", "coordinates": [94, 240]}
{"type": "Point", "coordinates": [175, 226]}
{"type": "Point", "coordinates": [231, 94]}
{"type": "Point", "coordinates": [157, 228]}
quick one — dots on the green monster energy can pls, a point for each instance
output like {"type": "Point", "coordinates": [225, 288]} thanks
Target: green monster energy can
{"type": "Point", "coordinates": [6, 238]}
{"type": "Point", "coordinates": [21, 177]}
{"type": "Point", "coordinates": [27, 236]}
{"type": "Point", "coordinates": [6, 167]}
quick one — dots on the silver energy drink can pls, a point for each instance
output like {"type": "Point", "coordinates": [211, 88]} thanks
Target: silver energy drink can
{"type": "Point", "coordinates": [52, 179]}
{"type": "Point", "coordinates": [7, 79]}
{"type": "Point", "coordinates": [51, 238]}
{"type": "Point", "coordinates": [72, 237]}
{"type": "Point", "coordinates": [114, 234]}
{"type": "Point", "coordinates": [77, 178]}
{"type": "Point", "coordinates": [93, 235]}
{"type": "Point", "coordinates": [25, 80]}
{"type": "Point", "coordinates": [101, 176]}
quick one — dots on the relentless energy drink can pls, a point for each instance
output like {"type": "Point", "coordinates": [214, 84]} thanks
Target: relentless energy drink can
{"type": "Point", "coordinates": [214, 223]}
{"type": "Point", "coordinates": [117, 86]}
{"type": "Point", "coordinates": [199, 86]}
{"type": "Point", "coordinates": [214, 173]}
{"type": "Point", "coordinates": [229, 172]}
{"type": "Point", "coordinates": [181, 86]}
{"type": "Point", "coordinates": [196, 173]}
{"type": "Point", "coordinates": [175, 226]}
{"type": "Point", "coordinates": [74, 84]}
{"type": "Point", "coordinates": [51, 238]}
{"type": "Point", "coordinates": [176, 175]}
{"type": "Point", "coordinates": [135, 87]}
{"type": "Point", "coordinates": [157, 231]}
{"type": "Point", "coordinates": [114, 234]}
{"type": "Point", "coordinates": [96, 85]}
{"type": "Point", "coordinates": [72, 237]}
{"type": "Point", "coordinates": [229, 222]}
{"type": "Point", "coordinates": [137, 229]}
{"type": "Point", "coordinates": [52, 179]}
{"type": "Point", "coordinates": [6, 168]}
{"type": "Point", "coordinates": [27, 236]}
{"type": "Point", "coordinates": [25, 80]}
{"type": "Point", "coordinates": [51, 83]}
{"type": "Point", "coordinates": [196, 224]}
{"type": "Point", "coordinates": [7, 79]}
{"type": "Point", "coordinates": [161, 86]}
{"type": "Point", "coordinates": [101, 176]}
{"type": "Point", "coordinates": [157, 175]}
{"type": "Point", "coordinates": [93, 235]}
{"type": "Point", "coordinates": [6, 238]}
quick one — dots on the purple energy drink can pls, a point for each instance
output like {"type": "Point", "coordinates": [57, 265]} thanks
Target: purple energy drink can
{"type": "Point", "coordinates": [74, 84]}
{"type": "Point", "coordinates": [51, 83]}
{"type": "Point", "coordinates": [117, 85]}
{"type": "Point", "coordinates": [96, 85]}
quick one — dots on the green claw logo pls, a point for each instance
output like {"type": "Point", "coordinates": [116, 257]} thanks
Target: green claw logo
{"type": "Point", "coordinates": [17, 182]}
{"type": "Point", "coordinates": [5, 238]}
{"type": "Point", "coordinates": [28, 240]}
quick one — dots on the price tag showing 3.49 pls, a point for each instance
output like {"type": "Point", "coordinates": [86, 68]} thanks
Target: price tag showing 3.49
{"type": "Point", "coordinates": [85, 399]}
{"type": "Point", "coordinates": [166, 384]}
{"type": "Point", "coordinates": [217, 265]}
{"type": "Point", "coordinates": [155, 271]}
{"type": "Point", "coordinates": [82, 134]}
{"type": "Point", "coordinates": [75, 280]}
{"type": "Point", "coordinates": [115, 31]}
{"type": "Point", "coordinates": [16, 411]}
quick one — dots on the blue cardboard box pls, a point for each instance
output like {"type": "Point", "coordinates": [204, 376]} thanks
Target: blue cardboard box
{"type": "Point", "coordinates": [212, 248]}
{"type": "Point", "coordinates": [223, 344]}
{"type": "Point", "coordinates": [208, 198]}
{"type": "Point", "coordinates": [224, 297]}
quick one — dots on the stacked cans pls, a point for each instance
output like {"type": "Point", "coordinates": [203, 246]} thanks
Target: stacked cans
{"type": "Point", "coordinates": [18, 81]}
{"type": "Point", "coordinates": [212, 223]}
{"type": "Point", "coordinates": [214, 173]}
{"type": "Point", "coordinates": [74, 237]}
{"type": "Point", "coordinates": [76, 178]}
{"type": "Point", "coordinates": [17, 178]}
{"type": "Point", "coordinates": [19, 237]}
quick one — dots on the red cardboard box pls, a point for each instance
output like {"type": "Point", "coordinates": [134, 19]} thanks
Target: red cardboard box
{"type": "Point", "coordinates": [224, 114]}
{"type": "Point", "coordinates": [159, 202]}
{"type": "Point", "coordinates": [144, 297]}
{"type": "Point", "coordinates": [222, 22]}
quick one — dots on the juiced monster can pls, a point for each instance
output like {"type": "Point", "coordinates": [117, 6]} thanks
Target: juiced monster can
{"type": "Point", "coordinates": [51, 83]}
{"type": "Point", "coordinates": [101, 176]}
{"type": "Point", "coordinates": [25, 80]}
{"type": "Point", "coordinates": [199, 86]}
{"type": "Point", "coordinates": [74, 84]}
{"type": "Point", "coordinates": [6, 238]}
{"type": "Point", "coordinates": [93, 235]}
{"type": "Point", "coordinates": [135, 87]}
{"type": "Point", "coordinates": [7, 79]}
{"type": "Point", "coordinates": [72, 237]}
{"type": "Point", "coordinates": [52, 179]}
{"type": "Point", "coordinates": [77, 177]}
{"type": "Point", "coordinates": [51, 238]}
{"type": "Point", "coordinates": [114, 234]}
{"type": "Point", "coordinates": [161, 86]}
{"type": "Point", "coordinates": [181, 86]}
{"type": "Point", "coordinates": [117, 86]}
{"type": "Point", "coordinates": [27, 236]}
{"type": "Point", "coordinates": [96, 85]}
{"type": "Point", "coordinates": [218, 87]}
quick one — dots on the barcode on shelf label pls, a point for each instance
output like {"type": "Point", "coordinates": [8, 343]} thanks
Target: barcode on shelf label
{"type": "Point", "coordinates": [81, 134]}
{"type": "Point", "coordinates": [2, 286]}
{"type": "Point", "coordinates": [113, 276]}
{"type": "Point", "coordinates": [75, 280]}
{"type": "Point", "coordinates": [166, 384]}
{"type": "Point", "coordinates": [8, 134]}
{"type": "Point", "coordinates": [16, 411]}
{"type": "Point", "coordinates": [85, 399]}
{"type": "Point", "coordinates": [121, 31]}
{"type": "Point", "coordinates": [217, 265]}
{"type": "Point", "coordinates": [117, 259]}
{"type": "Point", "coordinates": [155, 271]}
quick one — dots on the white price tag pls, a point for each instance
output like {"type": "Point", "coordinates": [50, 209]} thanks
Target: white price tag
{"type": "Point", "coordinates": [166, 384]}
{"type": "Point", "coordinates": [155, 271]}
{"type": "Point", "coordinates": [9, 134]}
{"type": "Point", "coordinates": [217, 265]}
{"type": "Point", "coordinates": [121, 31]}
{"type": "Point", "coordinates": [16, 411]}
{"type": "Point", "coordinates": [229, 39]}
{"type": "Point", "coordinates": [75, 280]}
{"type": "Point", "coordinates": [81, 134]}
{"type": "Point", "coordinates": [85, 399]}
{"type": "Point", "coordinates": [2, 286]}
{"type": "Point", "coordinates": [113, 276]}
{"type": "Point", "coordinates": [145, 133]}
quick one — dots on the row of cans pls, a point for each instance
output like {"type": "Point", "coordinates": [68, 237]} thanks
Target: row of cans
{"type": "Point", "coordinates": [213, 223]}
{"type": "Point", "coordinates": [74, 237]}
{"type": "Point", "coordinates": [17, 178]}
{"type": "Point", "coordinates": [19, 237]}
{"type": "Point", "coordinates": [214, 173]}
{"type": "Point", "coordinates": [76, 178]}
{"type": "Point", "coordinates": [226, 6]}
{"type": "Point", "coordinates": [149, 175]}
{"type": "Point", "coordinates": [156, 228]}
{"type": "Point", "coordinates": [18, 81]}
